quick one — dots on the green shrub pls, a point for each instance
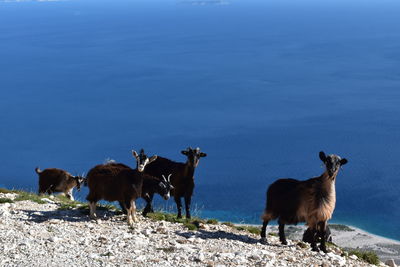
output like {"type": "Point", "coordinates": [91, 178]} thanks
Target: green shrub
{"type": "Point", "coordinates": [6, 200]}
{"type": "Point", "coordinates": [190, 226]}
{"type": "Point", "coordinates": [341, 227]}
{"type": "Point", "coordinates": [367, 256]}
{"type": "Point", "coordinates": [29, 196]}
{"type": "Point", "coordinates": [6, 191]}
{"type": "Point", "coordinates": [250, 229]}
{"type": "Point", "coordinates": [212, 221]}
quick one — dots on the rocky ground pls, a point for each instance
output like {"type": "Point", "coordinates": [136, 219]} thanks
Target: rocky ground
{"type": "Point", "coordinates": [35, 234]}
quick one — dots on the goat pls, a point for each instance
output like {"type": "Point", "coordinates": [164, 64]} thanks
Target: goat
{"type": "Point", "coordinates": [118, 182]}
{"type": "Point", "coordinates": [311, 201]}
{"type": "Point", "coordinates": [182, 178]}
{"type": "Point", "coordinates": [54, 180]}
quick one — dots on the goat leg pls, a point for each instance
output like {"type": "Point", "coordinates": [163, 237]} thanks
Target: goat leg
{"type": "Point", "coordinates": [128, 205]}
{"type": "Point", "coordinates": [282, 236]}
{"type": "Point", "coordinates": [314, 239]}
{"type": "Point", "coordinates": [121, 204]}
{"type": "Point", "coordinates": [178, 206]}
{"type": "Point", "coordinates": [322, 234]}
{"type": "Point", "coordinates": [263, 233]}
{"type": "Point", "coordinates": [133, 211]}
{"type": "Point", "coordinates": [92, 207]}
{"type": "Point", "coordinates": [149, 207]}
{"type": "Point", "coordinates": [188, 200]}
{"type": "Point", "coordinates": [69, 195]}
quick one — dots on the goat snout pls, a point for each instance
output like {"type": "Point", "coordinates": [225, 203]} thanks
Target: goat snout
{"type": "Point", "coordinates": [141, 167]}
{"type": "Point", "coordinates": [166, 196]}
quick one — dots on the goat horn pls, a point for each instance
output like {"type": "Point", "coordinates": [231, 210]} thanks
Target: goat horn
{"type": "Point", "coordinates": [165, 179]}
{"type": "Point", "coordinates": [169, 178]}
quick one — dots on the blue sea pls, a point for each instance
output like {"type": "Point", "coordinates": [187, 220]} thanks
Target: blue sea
{"type": "Point", "coordinates": [261, 86]}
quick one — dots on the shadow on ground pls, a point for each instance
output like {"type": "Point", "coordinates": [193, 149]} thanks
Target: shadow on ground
{"type": "Point", "coordinates": [75, 215]}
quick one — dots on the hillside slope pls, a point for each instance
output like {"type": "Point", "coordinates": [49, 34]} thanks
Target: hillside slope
{"type": "Point", "coordinates": [47, 234]}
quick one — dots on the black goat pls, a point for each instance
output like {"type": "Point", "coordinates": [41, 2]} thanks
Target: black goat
{"type": "Point", "coordinates": [54, 180]}
{"type": "Point", "coordinates": [182, 178]}
{"type": "Point", "coordinates": [311, 201]}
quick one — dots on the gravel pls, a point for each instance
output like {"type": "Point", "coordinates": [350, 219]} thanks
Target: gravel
{"type": "Point", "coordinates": [35, 234]}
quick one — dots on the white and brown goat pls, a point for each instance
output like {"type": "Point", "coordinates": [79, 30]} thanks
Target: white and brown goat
{"type": "Point", "coordinates": [55, 180]}
{"type": "Point", "coordinates": [312, 201]}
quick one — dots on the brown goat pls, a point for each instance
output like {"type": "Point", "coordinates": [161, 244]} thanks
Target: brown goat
{"type": "Point", "coordinates": [117, 182]}
{"type": "Point", "coordinates": [182, 178]}
{"type": "Point", "coordinates": [56, 180]}
{"type": "Point", "coordinates": [311, 201]}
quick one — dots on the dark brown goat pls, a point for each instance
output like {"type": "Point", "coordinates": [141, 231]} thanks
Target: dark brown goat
{"type": "Point", "coordinates": [312, 201]}
{"type": "Point", "coordinates": [54, 180]}
{"type": "Point", "coordinates": [118, 182]}
{"type": "Point", "coordinates": [182, 178]}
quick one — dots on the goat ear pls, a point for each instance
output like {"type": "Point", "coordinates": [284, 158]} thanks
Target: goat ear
{"type": "Point", "coordinates": [322, 156]}
{"type": "Point", "coordinates": [203, 154]}
{"type": "Point", "coordinates": [343, 161]}
{"type": "Point", "coordinates": [135, 154]}
{"type": "Point", "coordinates": [184, 152]}
{"type": "Point", "coordinates": [153, 158]}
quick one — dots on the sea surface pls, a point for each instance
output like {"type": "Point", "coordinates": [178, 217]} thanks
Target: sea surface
{"type": "Point", "coordinates": [260, 86]}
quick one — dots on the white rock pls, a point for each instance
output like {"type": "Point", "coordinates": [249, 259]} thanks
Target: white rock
{"type": "Point", "coordinates": [353, 257]}
{"type": "Point", "coordinates": [201, 257]}
{"type": "Point", "coordinates": [226, 255]}
{"type": "Point", "coordinates": [146, 232]}
{"type": "Point", "coordinates": [94, 256]}
{"type": "Point", "coordinates": [255, 257]}
{"type": "Point", "coordinates": [54, 239]}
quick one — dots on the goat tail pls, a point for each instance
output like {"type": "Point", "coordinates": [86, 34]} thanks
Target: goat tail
{"type": "Point", "coordinates": [37, 170]}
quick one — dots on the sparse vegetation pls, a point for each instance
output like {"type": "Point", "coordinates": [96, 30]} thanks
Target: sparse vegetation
{"type": "Point", "coordinates": [250, 229]}
{"type": "Point", "coordinates": [341, 227]}
{"type": "Point", "coordinates": [6, 200]}
{"type": "Point", "coordinates": [212, 221]}
{"type": "Point", "coordinates": [7, 191]}
{"type": "Point", "coordinates": [330, 244]}
{"type": "Point", "coordinates": [167, 250]}
{"type": "Point", "coordinates": [191, 224]}
{"type": "Point", "coordinates": [367, 256]}
{"type": "Point", "coordinates": [29, 196]}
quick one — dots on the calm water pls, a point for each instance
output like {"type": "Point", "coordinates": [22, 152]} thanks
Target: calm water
{"type": "Point", "coordinates": [261, 86]}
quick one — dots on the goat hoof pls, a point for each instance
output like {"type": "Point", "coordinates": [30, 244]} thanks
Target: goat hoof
{"type": "Point", "coordinates": [264, 241]}
{"type": "Point", "coordinates": [323, 249]}
{"type": "Point", "coordinates": [315, 249]}
{"type": "Point", "coordinates": [284, 242]}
